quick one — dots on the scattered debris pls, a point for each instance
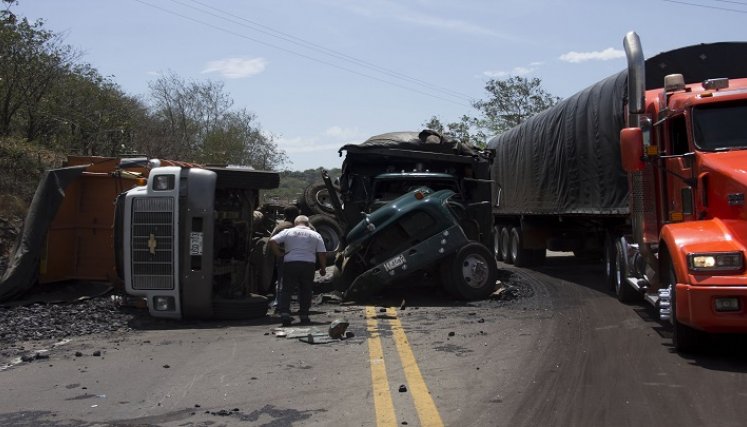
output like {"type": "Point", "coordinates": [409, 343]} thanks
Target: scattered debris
{"type": "Point", "coordinates": [402, 388]}
{"type": "Point", "coordinates": [338, 327]}
{"type": "Point", "coordinates": [452, 333]}
{"type": "Point", "coordinates": [505, 292]}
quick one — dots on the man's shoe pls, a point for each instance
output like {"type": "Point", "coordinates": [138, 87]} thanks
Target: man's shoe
{"type": "Point", "coordinates": [305, 320]}
{"type": "Point", "coordinates": [286, 320]}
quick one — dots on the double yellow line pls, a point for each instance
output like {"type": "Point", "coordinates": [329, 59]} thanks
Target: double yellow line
{"type": "Point", "coordinates": [424, 405]}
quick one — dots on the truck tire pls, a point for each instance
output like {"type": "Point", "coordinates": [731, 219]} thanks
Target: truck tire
{"type": "Point", "coordinates": [317, 200]}
{"type": "Point", "coordinates": [521, 257]}
{"type": "Point", "coordinates": [473, 272]}
{"type": "Point", "coordinates": [251, 307]}
{"type": "Point", "coordinates": [506, 245]}
{"type": "Point", "coordinates": [610, 261]}
{"type": "Point", "coordinates": [497, 243]}
{"type": "Point", "coordinates": [625, 293]}
{"type": "Point", "coordinates": [265, 267]}
{"type": "Point", "coordinates": [331, 234]}
{"type": "Point", "coordinates": [684, 338]}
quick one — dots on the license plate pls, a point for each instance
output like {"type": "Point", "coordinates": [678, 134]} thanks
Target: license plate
{"type": "Point", "coordinates": [195, 243]}
{"type": "Point", "coordinates": [394, 262]}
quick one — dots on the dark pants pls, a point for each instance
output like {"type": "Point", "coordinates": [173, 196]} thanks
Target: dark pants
{"type": "Point", "coordinates": [296, 275]}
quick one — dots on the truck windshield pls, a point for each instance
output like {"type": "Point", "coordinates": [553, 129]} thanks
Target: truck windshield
{"type": "Point", "coordinates": [720, 126]}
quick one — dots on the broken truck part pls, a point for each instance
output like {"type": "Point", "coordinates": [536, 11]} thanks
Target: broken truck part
{"type": "Point", "coordinates": [411, 202]}
{"type": "Point", "coordinates": [191, 240]}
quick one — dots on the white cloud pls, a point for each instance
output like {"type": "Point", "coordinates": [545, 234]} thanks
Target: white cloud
{"type": "Point", "coordinates": [447, 24]}
{"type": "Point", "coordinates": [236, 68]}
{"type": "Point", "coordinates": [516, 71]}
{"type": "Point", "coordinates": [342, 133]}
{"type": "Point", "coordinates": [600, 55]}
{"type": "Point", "coordinates": [306, 145]}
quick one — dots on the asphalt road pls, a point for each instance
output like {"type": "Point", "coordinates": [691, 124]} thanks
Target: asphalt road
{"type": "Point", "coordinates": [564, 353]}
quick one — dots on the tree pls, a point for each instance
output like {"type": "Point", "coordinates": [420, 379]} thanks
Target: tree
{"type": "Point", "coordinates": [195, 122]}
{"type": "Point", "coordinates": [511, 102]}
{"type": "Point", "coordinates": [32, 60]}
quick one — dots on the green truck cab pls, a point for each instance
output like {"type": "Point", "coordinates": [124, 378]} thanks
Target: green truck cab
{"type": "Point", "coordinates": [418, 233]}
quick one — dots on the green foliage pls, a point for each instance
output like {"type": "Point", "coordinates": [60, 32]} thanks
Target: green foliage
{"type": "Point", "coordinates": [511, 102]}
{"type": "Point", "coordinates": [21, 166]}
{"type": "Point", "coordinates": [293, 183]}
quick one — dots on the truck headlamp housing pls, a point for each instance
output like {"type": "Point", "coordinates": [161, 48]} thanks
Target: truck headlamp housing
{"type": "Point", "coordinates": [163, 182]}
{"type": "Point", "coordinates": [164, 303]}
{"type": "Point", "coordinates": [715, 261]}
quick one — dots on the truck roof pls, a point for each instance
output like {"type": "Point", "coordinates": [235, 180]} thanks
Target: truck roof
{"type": "Point", "coordinates": [423, 141]}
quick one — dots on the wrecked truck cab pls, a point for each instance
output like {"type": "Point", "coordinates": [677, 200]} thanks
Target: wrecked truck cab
{"type": "Point", "coordinates": [193, 244]}
{"type": "Point", "coordinates": [417, 233]}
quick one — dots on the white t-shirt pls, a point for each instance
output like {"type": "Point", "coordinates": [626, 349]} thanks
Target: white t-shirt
{"type": "Point", "coordinates": [301, 244]}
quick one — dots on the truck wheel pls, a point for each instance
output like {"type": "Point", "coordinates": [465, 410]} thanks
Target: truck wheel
{"type": "Point", "coordinates": [625, 293]}
{"type": "Point", "coordinates": [251, 307]}
{"type": "Point", "coordinates": [264, 266]}
{"type": "Point", "coordinates": [473, 272]}
{"type": "Point", "coordinates": [521, 257]}
{"type": "Point", "coordinates": [317, 199]}
{"type": "Point", "coordinates": [684, 338]}
{"type": "Point", "coordinates": [611, 270]}
{"type": "Point", "coordinates": [506, 245]}
{"type": "Point", "coordinates": [331, 234]}
{"type": "Point", "coordinates": [497, 243]}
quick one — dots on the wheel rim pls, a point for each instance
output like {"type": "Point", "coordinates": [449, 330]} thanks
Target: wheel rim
{"type": "Point", "coordinates": [514, 246]}
{"type": "Point", "coordinates": [475, 271]}
{"type": "Point", "coordinates": [505, 242]}
{"type": "Point", "coordinates": [330, 237]}
{"type": "Point", "coordinates": [618, 273]}
{"type": "Point", "coordinates": [497, 242]}
{"type": "Point", "coordinates": [323, 199]}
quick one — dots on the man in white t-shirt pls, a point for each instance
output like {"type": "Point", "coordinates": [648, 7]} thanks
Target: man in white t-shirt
{"type": "Point", "coordinates": [302, 247]}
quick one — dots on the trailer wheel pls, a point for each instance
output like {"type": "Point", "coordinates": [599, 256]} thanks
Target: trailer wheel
{"type": "Point", "coordinates": [625, 293]}
{"type": "Point", "coordinates": [331, 234]}
{"type": "Point", "coordinates": [251, 307]}
{"type": "Point", "coordinates": [684, 338]}
{"type": "Point", "coordinates": [497, 243]}
{"type": "Point", "coordinates": [506, 245]}
{"type": "Point", "coordinates": [317, 199]}
{"type": "Point", "coordinates": [521, 257]}
{"type": "Point", "coordinates": [473, 272]}
{"type": "Point", "coordinates": [611, 271]}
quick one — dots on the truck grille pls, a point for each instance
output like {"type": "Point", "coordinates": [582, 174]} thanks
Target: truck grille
{"type": "Point", "coordinates": [152, 243]}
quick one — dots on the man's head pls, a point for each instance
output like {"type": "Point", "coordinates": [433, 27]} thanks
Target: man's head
{"type": "Point", "coordinates": [302, 220]}
{"type": "Point", "coordinates": [290, 213]}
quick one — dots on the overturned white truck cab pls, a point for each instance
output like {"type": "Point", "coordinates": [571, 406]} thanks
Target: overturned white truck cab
{"type": "Point", "coordinates": [190, 240]}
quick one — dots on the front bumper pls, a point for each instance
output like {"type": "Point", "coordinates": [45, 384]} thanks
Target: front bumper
{"type": "Point", "coordinates": [696, 307]}
{"type": "Point", "coordinates": [419, 257]}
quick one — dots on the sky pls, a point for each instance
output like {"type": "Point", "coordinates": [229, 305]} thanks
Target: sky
{"type": "Point", "coordinates": [319, 74]}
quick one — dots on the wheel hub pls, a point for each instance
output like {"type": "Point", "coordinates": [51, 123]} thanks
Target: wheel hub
{"type": "Point", "coordinates": [474, 271]}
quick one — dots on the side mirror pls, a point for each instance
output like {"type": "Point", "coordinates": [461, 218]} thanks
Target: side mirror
{"type": "Point", "coordinates": [631, 149]}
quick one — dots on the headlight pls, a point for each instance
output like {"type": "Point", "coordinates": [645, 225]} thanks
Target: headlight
{"type": "Point", "coordinates": [163, 303]}
{"type": "Point", "coordinates": [163, 182]}
{"type": "Point", "coordinates": [715, 261]}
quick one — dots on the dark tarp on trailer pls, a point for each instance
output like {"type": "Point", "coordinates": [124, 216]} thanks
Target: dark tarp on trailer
{"type": "Point", "coordinates": [23, 264]}
{"type": "Point", "coordinates": [566, 159]}
{"type": "Point", "coordinates": [426, 140]}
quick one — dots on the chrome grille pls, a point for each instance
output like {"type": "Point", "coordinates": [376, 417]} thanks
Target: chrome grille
{"type": "Point", "coordinates": [152, 244]}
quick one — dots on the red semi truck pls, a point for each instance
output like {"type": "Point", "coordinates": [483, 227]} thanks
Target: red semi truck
{"type": "Point", "coordinates": [647, 170]}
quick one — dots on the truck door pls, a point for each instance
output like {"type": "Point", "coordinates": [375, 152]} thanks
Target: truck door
{"type": "Point", "coordinates": [678, 172]}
